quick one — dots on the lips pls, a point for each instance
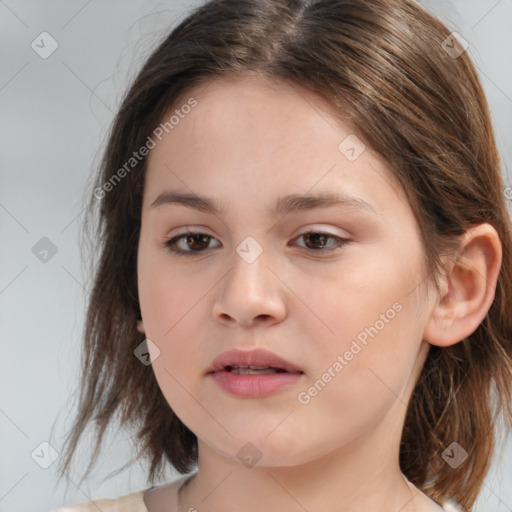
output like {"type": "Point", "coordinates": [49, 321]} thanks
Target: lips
{"type": "Point", "coordinates": [256, 374]}
{"type": "Point", "coordinates": [255, 358]}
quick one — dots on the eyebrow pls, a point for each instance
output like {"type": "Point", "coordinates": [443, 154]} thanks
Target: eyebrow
{"type": "Point", "coordinates": [284, 205]}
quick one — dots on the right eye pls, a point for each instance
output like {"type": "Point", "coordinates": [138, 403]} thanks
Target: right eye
{"type": "Point", "coordinates": [188, 240]}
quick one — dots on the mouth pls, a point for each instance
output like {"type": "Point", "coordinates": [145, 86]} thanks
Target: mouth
{"type": "Point", "coordinates": [253, 370]}
{"type": "Point", "coordinates": [254, 362]}
{"type": "Point", "coordinates": [255, 374]}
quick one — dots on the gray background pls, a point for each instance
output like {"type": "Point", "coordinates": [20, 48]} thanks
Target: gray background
{"type": "Point", "coordinates": [55, 116]}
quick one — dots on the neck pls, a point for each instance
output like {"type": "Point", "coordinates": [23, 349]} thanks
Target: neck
{"type": "Point", "coordinates": [355, 478]}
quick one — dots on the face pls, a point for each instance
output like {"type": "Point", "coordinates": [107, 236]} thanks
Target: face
{"type": "Point", "coordinates": [333, 289]}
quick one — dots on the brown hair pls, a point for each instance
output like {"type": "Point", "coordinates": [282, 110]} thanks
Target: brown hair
{"type": "Point", "coordinates": [383, 64]}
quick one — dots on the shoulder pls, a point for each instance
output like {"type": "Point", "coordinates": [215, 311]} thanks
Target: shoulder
{"type": "Point", "coordinates": [451, 506]}
{"type": "Point", "coordinates": [133, 502]}
{"type": "Point", "coordinates": [424, 503]}
{"type": "Point", "coordinates": [446, 506]}
{"type": "Point", "coordinates": [165, 497]}
{"type": "Point", "coordinates": [139, 501]}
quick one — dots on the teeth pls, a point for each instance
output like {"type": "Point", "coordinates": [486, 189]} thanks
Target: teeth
{"type": "Point", "coordinates": [252, 370]}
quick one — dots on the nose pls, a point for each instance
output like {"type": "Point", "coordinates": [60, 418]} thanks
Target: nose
{"type": "Point", "coordinates": [250, 293]}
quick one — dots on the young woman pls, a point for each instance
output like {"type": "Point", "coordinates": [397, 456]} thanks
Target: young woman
{"type": "Point", "coordinates": [300, 300]}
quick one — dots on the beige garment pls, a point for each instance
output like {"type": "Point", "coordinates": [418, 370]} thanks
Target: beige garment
{"type": "Point", "coordinates": [133, 502]}
{"type": "Point", "coordinates": [129, 503]}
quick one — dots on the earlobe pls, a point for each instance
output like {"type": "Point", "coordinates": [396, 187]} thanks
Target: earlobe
{"type": "Point", "coordinates": [470, 287]}
{"type": "Point", "coordinates": [140, 327]}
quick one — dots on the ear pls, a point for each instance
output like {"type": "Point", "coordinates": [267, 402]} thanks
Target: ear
{"type": "Point", "coordinates": [140, 327]}
{"type": "Point", "coordinates": [469, 287]}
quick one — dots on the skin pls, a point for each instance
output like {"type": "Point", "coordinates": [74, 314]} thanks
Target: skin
{"type": "Point", "coordinates": [246, 143]}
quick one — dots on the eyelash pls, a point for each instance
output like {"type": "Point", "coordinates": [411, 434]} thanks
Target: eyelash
{"type": "Point", "coordinates": [170, 243]}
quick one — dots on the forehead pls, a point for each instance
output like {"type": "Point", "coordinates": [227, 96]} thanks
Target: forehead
{"type": "Point", "coordinates": [255, 101]}
{"type": "Point", "coordinates": [254, 135]}
{"type": "Point", "coordinates": [248, 119]}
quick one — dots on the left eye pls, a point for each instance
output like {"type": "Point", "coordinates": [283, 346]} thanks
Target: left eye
{"type": "Point", "coordinates": [201, 241]}
{"type": "Point", "coordinates": [320, 238]}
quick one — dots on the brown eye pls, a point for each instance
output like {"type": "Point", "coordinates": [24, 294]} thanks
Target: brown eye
{"type": "Point", "coordinates": [193, 242]}
{"type": "Point", "coordinates": [317, 241]}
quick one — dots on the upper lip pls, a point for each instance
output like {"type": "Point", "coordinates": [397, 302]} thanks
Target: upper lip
{"type": "Point", "coordinates": [258, 357]}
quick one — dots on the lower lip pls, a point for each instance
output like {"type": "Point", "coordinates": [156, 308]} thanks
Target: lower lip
{"type": "Point", "coordinates": [254, 386]}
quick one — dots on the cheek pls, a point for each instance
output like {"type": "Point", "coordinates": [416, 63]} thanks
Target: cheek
{"type": "Point", "coordinates": [370, 318]}
{"type": "Point", "coordinates": [173, 309]}
{"type": "Point", "coordinates": [167, 295]}
{"type": "Point", "coordinates": [347, 304]}
{"type": "Point", "coordinates": [364, 373]}
{"type": "Point", "coordinates": [171, 316]}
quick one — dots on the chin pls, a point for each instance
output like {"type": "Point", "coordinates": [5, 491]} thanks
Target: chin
{"type": "Point", "coordinates": [262, 451]}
